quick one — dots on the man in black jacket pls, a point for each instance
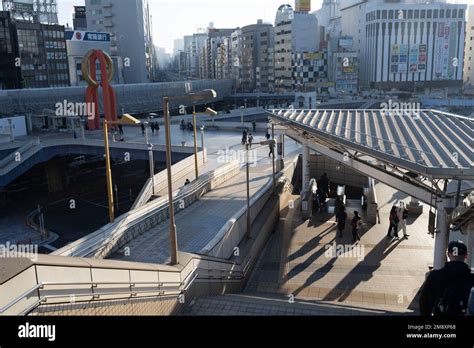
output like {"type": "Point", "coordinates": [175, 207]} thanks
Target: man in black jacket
{"type": "Point", "coordinates": [446, 291]}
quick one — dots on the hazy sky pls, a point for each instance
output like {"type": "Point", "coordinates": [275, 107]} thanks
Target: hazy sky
{"type": "Point", "coordinates": [175, 18]}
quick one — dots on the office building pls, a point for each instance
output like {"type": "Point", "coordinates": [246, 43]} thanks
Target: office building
{"type": "Point", "coordinates": [79, 18]}
{"type": "Point", "coordinates": [237, 73]}
{"type": "Point", "coordinates": [43, 54]}
{"type": "Point", "coordinates": [10, 72]}
{"type": "Point", "coordinates": [296, 34]}
{"type": "Point", "coordinates": [408, 45]}
{"type": "Point", "coordinates": [469, 50]}
{"type": "Point", "coordinates": [257, 40]}
{"type": "Point", "coordinates": [129, 25]}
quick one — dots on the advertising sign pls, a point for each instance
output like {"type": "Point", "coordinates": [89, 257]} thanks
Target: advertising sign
{"type": "Point", "coordinates": [77, 35]}
{"type": "Point", "coordinates": [303, 5]}
{"type": "Point", "coordinates": [23, 5]}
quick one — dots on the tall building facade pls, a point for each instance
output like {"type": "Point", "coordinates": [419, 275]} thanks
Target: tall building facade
{"type": "Point", "coordinates": [43, 11]}
{"type": "Point", "coordinates": [10, 72]}
{"type": "Point", "coordinates": [237, 72]}
{"type": "Point", "coordinates": [79, 18]}
{"type": "Point", "coordinates": [469, 50]}
{"type": "Point", "coordinates": [129, 25]}
{"type": "Point", "coordinates": [257, 40]}
{"type": "Point", "coordinates": [296, 38]}
{"type": "Point", "coordinates": [43, 54]}
{"type": "Point", "coordinates": [216, 39]}
{"type": "Point", "coordinates": [409, 45]}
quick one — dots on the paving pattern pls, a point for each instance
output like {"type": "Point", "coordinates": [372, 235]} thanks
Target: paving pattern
{"type": "Point", "coordinates": [268, 305]}
{"type": "Point", "coordinates": [379, 271]}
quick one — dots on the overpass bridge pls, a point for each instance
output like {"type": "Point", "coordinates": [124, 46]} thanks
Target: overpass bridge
{"type": "Point", "coordinates": [131, 98]}
{"type": "Point", "coordinates": [33, 152]}
{"type": "Point", "coordinates": [417, 154]}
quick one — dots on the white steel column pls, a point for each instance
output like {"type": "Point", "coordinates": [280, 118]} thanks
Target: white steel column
{"type": "Point", "coordinates": [442, 235]}
{"type": "Point", "coordinates": [306, 173]}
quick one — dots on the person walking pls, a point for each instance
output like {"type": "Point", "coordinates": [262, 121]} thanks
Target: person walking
{"type": "Point", "coordinates": [152, 126]}
{"type": "Point", "coordinates": [446, 291]}
{"type": "Point", "coordinates": [324, 182]}
{"type": "Point", "coordinates": [143, 128]}
{"type": "Point", "coordinates": [267, 135]}
{"type": "Point", "coordinates": [356, 224]}
{"type": "Point", "coordinates": [250, 139]}
{"type": "Point", "coordinates": [272, 150]}
{"type": "Point", "coordinates": [254, 126]}
{"type": "Point", "coordinates": [402, 214]}
{"type": "Point", "coordinates": [120, 127]}
{"type": "Point", "coordinates": [244, 137]}
{"type": "Point", "coordinates": [338, 205]}
{"type": "Point", "coordinates": [157, 127]}
{"type": "Point", "coordinates": [393, 223]}
{"type": "Point", "coordinates": [341, 221]}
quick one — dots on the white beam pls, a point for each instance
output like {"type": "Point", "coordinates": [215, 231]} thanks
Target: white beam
{"type": "Point", "coordinates": [366, 169]}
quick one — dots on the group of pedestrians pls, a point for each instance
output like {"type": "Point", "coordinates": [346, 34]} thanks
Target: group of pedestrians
{"type": "Point", "coordinates": [341, 218]}
{"type": "Point", "coordinates": [247, 138]}
{"type": "Point", "coordinates": [397, 220]}
{"type": "Point", "coordinates": [155, 127]}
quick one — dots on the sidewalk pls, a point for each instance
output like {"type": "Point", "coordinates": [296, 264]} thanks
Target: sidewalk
{"type": "Point", "coordinates": [389, 273]}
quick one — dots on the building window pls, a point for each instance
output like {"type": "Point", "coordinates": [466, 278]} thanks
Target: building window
{"type": "Point", "coordinates": [390, 14]}
{"type": "Point", "coordinates": [417, 14]}
{"type": "Point", "coordinates": [378, 14]}
{"type": "Point", "coordinates": [384, 14]}
{"type": "Point", "coordinates": [423, 13]}
{"type": "Point", "coordinates": [429, 13]}
{"type": "Point", "coordinates": [461, 14]}
{"type": "Point", "coordinates": [410, 14]}
{"type": "Point", "coordinates": [448, 13]}
{"type": "Point", "coordinates": [441, 13]}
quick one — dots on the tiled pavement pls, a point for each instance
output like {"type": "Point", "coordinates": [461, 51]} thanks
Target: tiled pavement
{"type": "Point", "coordinates": [297, 262]}
{"type": "Point", "coordinates": [271, 305]}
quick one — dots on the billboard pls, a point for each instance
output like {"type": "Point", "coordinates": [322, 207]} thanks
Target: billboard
{"type": "Point", "coordinates": [313, 56]}
{"type": "Point", "coordinates": [77, 35]}
{"type": "Point", "coordinates": [399, 58]}
{"type": "Point", "coordinates": [23, 5]}
{"type": "Point", "coordinates": [345, 43]}
{"type": "Point", "coordinates": [302, 5]}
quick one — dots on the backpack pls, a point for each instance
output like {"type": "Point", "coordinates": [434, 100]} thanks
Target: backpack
{"type": "Point", "coordinates": [453, 301]}
{"type": "Point", "coordinates": [405, 214]}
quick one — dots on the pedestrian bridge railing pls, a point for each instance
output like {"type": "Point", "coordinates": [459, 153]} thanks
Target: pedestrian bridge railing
{"type": "Point", "coordinates": [179, 171]}
{"type": "Point", "coordinates": [108, 239]}
{"type": "Point", "coordinates": [43, 284]}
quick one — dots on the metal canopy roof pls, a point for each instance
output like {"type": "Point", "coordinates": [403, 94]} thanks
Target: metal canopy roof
{"type": "Point", "coordinates": [431, 143]}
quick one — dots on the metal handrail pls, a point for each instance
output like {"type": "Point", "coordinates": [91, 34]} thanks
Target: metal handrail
{"type": "Point", "coordinates": [19, 298]}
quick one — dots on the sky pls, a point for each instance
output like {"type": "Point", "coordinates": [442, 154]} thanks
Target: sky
{"type": "Point", "coordinates": [173, 19]}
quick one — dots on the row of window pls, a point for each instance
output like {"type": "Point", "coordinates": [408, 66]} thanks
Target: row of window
{"type": "Point", "coordinates": [55, 44]}
{"type": "Point", "coordinates": [56, 55]}
{"type": "Point", "coordinates": [55, 34]}
{"type": "Point", "coordinates": [414, 14]}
